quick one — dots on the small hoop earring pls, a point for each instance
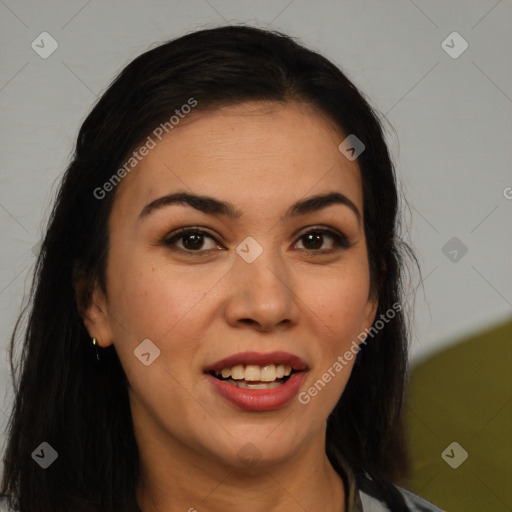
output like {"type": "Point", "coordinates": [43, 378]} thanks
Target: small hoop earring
{"type": "Point", "coordinates": [95, 343]}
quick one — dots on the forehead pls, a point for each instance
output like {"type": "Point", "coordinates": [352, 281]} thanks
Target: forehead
{"type": "Point", "coordinates": [259, 154]}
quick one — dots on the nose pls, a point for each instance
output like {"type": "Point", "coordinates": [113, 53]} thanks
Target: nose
{"type": "Point", "coordinates": [262, 294]}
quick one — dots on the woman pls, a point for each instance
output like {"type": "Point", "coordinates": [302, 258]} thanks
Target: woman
{"type": "Point", "coordinates": [221, 258]}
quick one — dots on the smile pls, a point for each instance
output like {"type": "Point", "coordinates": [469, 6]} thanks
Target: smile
{"type": "Point", "coordinates": [262, 382]}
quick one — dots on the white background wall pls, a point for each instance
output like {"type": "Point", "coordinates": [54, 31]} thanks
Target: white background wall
{"type": "Point", "coordinates": [451, 116]}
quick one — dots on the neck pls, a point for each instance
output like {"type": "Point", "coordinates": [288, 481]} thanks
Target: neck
{"type": "Point", "coordinates": [177, 478]}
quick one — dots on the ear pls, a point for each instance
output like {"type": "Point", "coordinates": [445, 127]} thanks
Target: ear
{"type": "Point", "coordinates": [367, 317]}
{"type": "Point", "coordinates": [370, 311]}
{"type": "Point", "coordinates": [92, 307]}
{"type": "Point", "coordinates": [373, 298]}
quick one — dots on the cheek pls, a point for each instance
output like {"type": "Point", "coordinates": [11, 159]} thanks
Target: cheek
{"type": "Point", "coordinates": [163, 303]}
{"type": "Point", "coordinates": [151, 300]}
{"type": "Point", "coordinates": [342, 303]}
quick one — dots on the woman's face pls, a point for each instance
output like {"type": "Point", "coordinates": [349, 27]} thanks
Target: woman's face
{"type": "Point", "coordinates": [290, 286]}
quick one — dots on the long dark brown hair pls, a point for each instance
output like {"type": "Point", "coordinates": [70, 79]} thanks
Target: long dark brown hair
{"type": "Point", "coordinates": [64, 397]}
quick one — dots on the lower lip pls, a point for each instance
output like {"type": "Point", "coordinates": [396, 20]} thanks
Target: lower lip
{"type": "Point", "coordinates": [259, 399]}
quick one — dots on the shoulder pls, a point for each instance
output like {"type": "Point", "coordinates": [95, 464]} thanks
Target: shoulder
{"type": "Point", "coordinates": [414, 503]}
{"type": "Point", "coordinates": [417, 503]}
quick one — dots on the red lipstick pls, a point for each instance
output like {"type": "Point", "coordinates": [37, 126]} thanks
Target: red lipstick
{"type": "Point", "coordinates": [258, 400]}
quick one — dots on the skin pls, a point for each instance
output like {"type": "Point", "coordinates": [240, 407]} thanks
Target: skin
{"type": "Point", "coordinates": [199, 309]}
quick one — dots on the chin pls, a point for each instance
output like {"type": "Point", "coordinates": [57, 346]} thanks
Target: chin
{"type": "Point", "coordinates": [258, 451]}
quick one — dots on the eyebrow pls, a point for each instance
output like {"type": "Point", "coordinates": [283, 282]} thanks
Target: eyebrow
{"type": "Point", "coordinates": [212, 206]}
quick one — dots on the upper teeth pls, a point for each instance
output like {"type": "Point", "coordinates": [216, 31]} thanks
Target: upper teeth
{"type": "Point", "coordinates": [252, 372]}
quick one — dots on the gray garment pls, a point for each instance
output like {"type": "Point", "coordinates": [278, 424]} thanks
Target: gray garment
{"type": "Point", "coordinates": [4, 507]}
{"type": "Point", "coordinates": [414, 502]}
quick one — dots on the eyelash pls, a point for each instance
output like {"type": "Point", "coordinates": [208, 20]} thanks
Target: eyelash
{"type": "Point", "coordinates": [340, 241]}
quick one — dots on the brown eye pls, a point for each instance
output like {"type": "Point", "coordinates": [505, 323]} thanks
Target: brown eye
{"type": "Point", "coordinates": [192, 240]}
{"type": "Point", "coordinates": [314, 239]}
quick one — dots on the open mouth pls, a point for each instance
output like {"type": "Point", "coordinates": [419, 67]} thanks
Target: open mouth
{"type": "Point", "coordinates": [255, 377]}
{"type": "Point", "coordinates": [257, 382]}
